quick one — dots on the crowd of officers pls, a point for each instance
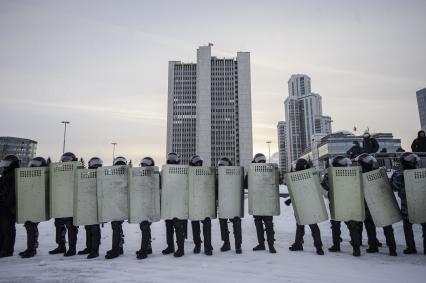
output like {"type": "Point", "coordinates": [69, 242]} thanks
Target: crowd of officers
{"type": "Point", "coordinates": [178, 227]}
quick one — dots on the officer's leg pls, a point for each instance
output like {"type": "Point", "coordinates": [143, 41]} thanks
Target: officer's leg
{"type": "Point", "coordinates": [169, 238]}
{"type": "Point", "coordinates": [60, 232]}
{"type": "Point", "coordinates": [95, 231]}
{"type": "Point", "coordinates": [8, 230]}
{"type": "Point", "coordinates": [27, 225]}
{"type": "Point", "coordinates": [356, 235]}
{"type": "Point", "coordinates": [72, 237]}
{"type": "Point", "coordinates": [424, 237]}
{"type": "Point", "coordinates": [409, 238]}
{"type": "Point", "coordinates": [224, 234]}
{"type": "Point", "coordinates": [371, 232]}
{"type": "Point", "coordinates": [316, 235]}
{"type": "Point", "coordinates": [146, 229]}
{"type": "Point", "coordinates": [335, 232]}
{"type": "Point", "coordinates": [207, 234]}
{"type": "Point", "coordinates": [32, 237]}
{"type": "Point", "coordinates": [390, 239]}
{"type": "Point", "coordinates": [258, 222]}
{"type": "Point", "coordinates": [269, 227]}
{"type": "Point", "coordinates": [196, 236]}
{"type": "Point", "coordinates": [88, 241]}
{"type": "Point", "coordinates": [298, 241]}
{"type": "Point", "coordinates": [116, 240]}
{"type": "Point", "coordinates": [236, 223]}
{"type": "Point", "coordinates": [180, 236]}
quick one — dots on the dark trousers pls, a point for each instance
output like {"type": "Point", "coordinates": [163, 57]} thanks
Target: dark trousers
{"type": "Point", "coordinates": [145, 227]}
{"type": "Point", "coordinates": [178, 226]}
{"type": "Point", "coordinates": [117, 235]}
{"type": "Point", "coordinates": [260, 222]}
{"type": "Point", "coordinates": [409, 235]}
{"type": "Point", "coordinates": [355, 232]}
{"type": "Point", "coordinates": [61, 227]}
{"type": "Point", "coordinates": [207, 233]}
{"type": "Point", "coordinates": [7, 233]}
{"type": "Point", "coordinates": [93, 237]}
{"type": "Point", "coordinates": [32, 235]}
{"type": "Point", "coordinates": [316, 235]}
{"type": "Point", "coordinates": [224, 231]}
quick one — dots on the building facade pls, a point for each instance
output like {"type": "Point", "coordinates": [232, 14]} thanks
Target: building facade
{"type": "Point", "coordinates": [24, 149]}
{"type": "Point", "coordinates": [282, 152]}
{"type": "Point", "coordinates": [209, 108]}
{"type": "Point", "coordinates": [304, 117]}
{"type": "Point", "coordinates": [421, 102]}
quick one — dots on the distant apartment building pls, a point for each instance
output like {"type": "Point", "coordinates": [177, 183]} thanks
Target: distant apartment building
{"type": "Point", "coordinates": [421, 102]}
{"type": "Point", "coordinates": [282, 152]}
{"type": "Point", "coordinates": [24, 149]}
{"type": "Point", "coordinates": [209, 108]}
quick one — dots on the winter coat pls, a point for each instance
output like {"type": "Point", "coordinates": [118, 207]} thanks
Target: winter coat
{"type": "Point", "coordinates": [354, 151]}
{"type": "Point", "coordinates": [7, 193]}
{"type": "Point", "coordinates": [370, 145]}
{"type": "Point", "coordinates": [419, 144]}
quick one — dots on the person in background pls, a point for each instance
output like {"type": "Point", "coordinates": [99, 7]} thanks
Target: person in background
{"type": "Point", "coordinates": [369, 144]}
{"type": "Point", "coordinates": [419, 143]}
{"type": "Point", "coordinates": [355, 150]}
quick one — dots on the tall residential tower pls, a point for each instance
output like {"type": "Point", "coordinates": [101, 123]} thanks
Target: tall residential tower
{"type": "Point", "coordinates": [421, 102]}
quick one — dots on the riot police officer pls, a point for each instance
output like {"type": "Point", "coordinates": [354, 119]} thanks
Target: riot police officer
{"type": "Point", "coordinates": [408, 161]}
{"type": "Point", "coordinates": [64, 224]}
{"type": "Point", "coordinates": [145, 226]}
{"type": "Point", "coordinates": [8, 205]}
{"type": "Point", "coordinates": [93, 232]}
{"type": "Point", "coordinates": [261, 220]}
{"type": "Point", "coordinates": [353, 226]}
{"type": "Point", "coordinates": [196, 160]}
{"type": "Point", "coordinates": [368, 163]}
{"type": "Point", "coordinates": [303, 164]}
{"type": "Point", "coordinates": [174, 224]}
{"type": "Point", "coordinates": [32, 227]}
{"type": "Point", "coordinates": [117, 226]}
{"type": "Point", "coordinates": [236, 222]}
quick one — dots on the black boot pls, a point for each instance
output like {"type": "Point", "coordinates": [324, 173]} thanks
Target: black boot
{"type": "Point", "coordinates": [409, 238]}
{"type": "Point", "coordinates": [145, 227]}
{"type": "Point", "coordinates": [298, 241]}
{"type": "Point", "coordinates": [169, 238]}
{"type": "Point", "coordinates": [95, 231]}
{"type": "Point", "coordinates": [260, 234]}
{"type": "Point", "coordinates": [116, 241]}
{"type": "Point", "coordinates": [236, 224]}
{"type": "Point", "coordinates": [373, 243]}
{"type": "Point", "coordinates": [196, 236]}
{"type": "Point", "coordinates": [224, 233]}
{"type": "Point", "coordinates": [207, 234]}
{"type": "Point", "coordinates": [424, 237]}
{"type": "Point", "coordinates": [316, 235]}
{"type": "Point", "coordinates": [32, 240]}
{"type": "Point", "coordinates": [335, 232]}
{"type": "Point", "coordinates": [180, 237]}
{"type": "Point", "coordinates": [60, 232]}
{"type": "Point", "coordinates": [269, 227]}
{"type": "Point", "coordinates": [88, 241]}
{"type": "Point", "coordinates": [28, 254]}
{"type": "Point", "coordinates": [72, 238]}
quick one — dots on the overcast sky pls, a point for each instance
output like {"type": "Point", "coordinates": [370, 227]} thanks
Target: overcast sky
{"type": "Point", "coordinates": [103, 66]}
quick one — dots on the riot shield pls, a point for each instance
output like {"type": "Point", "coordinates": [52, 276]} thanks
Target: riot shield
{"type": "Point", "coordinates": [174, 192]}
{"type": "Point", "coordinates": [85, 199]}
{"type": "Point", "coordinates": [202, 192]}
{"type": "Point", "coordinates": [306, 196]}
{"type": "Point", "coordinates": [415, 189]}
{"type": "Point", "coordinates": [112, 193]}
{"type": "Point", "coordinates": [380, 198]}
{"type": "Point", "coordinates": [346, 195]}
{"type": "Point", "coordinates": [144, 194]}
{"type": "Point", "coordinates": [263, 189]}
{"type": "Point", "coordinates": [61, 193]}
{"type": "Point", "coordinates": [32, 194]}
{"type": "Point", "coordinates": [230, 191]}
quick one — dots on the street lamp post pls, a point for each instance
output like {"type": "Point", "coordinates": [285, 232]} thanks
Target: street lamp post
{"type": "Point", "coordinates": [269, 150]}
{"type": "Point", "coordinates": [65, 132]}
{"type": "Point", "coordinates": [113, 150]}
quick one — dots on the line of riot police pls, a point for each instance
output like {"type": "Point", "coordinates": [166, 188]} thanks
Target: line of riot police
{"type": "Point", "coordinates": [75, 196]}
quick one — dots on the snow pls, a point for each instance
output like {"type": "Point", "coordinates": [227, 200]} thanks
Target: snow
{"type": "Point", "coordinates": [285, 266]}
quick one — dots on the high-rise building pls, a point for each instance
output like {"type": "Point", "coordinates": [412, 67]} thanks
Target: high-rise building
{"type": "Point", "coordinates": [24, 149]}
{"type": "Point", "coordinates": [209, 108]}
{"type": "Point", "coordinates": [282, 152]}
{"type": "Point", "coordinates": [421, 102]}
{"type": "Point", "coordinates": [303, 114]}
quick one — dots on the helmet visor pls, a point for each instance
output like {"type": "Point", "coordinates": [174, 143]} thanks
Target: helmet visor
{"type": "Point", "coordinates": [67, 158]}
{"type": "Point", "coordinates": [95, 162]}
{"type": "Point", "coordinates": [260, 159]}
{"type": "Point", "coordinates": [35, 163]}
{"type": "Point", "coordinates": [120, 161]}
{"type": "Point", "coordinates": [5, 163]}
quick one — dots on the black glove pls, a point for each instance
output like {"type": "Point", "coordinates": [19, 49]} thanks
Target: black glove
{"type": "Point", "coordinates": [288, 202]}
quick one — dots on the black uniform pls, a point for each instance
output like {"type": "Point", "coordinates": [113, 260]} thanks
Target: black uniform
{"type": "Point", "coordinates": [93, 241]}
{"type": "Point", "coordinates": [7, 212]}
{"type": "Point", "coordinates": [419, 144]}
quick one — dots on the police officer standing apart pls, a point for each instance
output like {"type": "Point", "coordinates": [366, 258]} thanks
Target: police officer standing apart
{"type": "Point", "coordinates": [196, 160]}
{"type": "Point", "coordinates": [93, 232]}
{"type": "Point", "coordinates": [145, 226]}
{"type": "Point", "coordinates": [303, 164]}
{"type": "Point", "coordinates": [117, 226]}
{"type": "Point", "coordinates": [355, 227]}
{"type": "Point", "coordinates": [236, 223]}
{"type": "Point", "coordinates": [64, 224]}
{"type": "Point", "coordinates": [7, 205]}
{"type": "Point", "coordinates": [175, 223]}
{"type": "Point", "coordinates": [260, 220]}
{"type": "Point", "coordinates": [32, 227]}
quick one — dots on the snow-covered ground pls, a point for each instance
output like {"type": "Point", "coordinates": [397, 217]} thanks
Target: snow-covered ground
{"type": "Point", "coordinates": [285, 266]}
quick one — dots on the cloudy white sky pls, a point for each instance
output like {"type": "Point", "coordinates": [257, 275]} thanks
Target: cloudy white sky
{"type": "Point", "coordinates": [103, 66]}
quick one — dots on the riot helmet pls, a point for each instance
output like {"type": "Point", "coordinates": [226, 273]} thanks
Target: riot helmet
{"type": "Point", "coordinates": [147, 161]}
{"type": "Point", "coordinates": [68, 157]}
{"type": "Point", "coordinates": [119, 160]}
{"type": "Point", "coordinates": [341, 161]}
{"type": "Point", "coordinates": [302, 164]}
{"type": "Point", "coordinates": [367, 162]}
{"type": "Point", "coordinates": [224, 161]}
{"type": "Point", "coordinates": [173, 158]}
{"type": "Point", "coordinates": [409, 160]}
{"type": "Point", "coordinates": [9, 163]}
{"type": "Point", "coordinates": [95, 162]}
{"type": "Point", "coordinates": [259, 158]}
{"type": "Point", "coordinates": [196, 160]}
{"type": "Point", "coordinates": [37, 162]}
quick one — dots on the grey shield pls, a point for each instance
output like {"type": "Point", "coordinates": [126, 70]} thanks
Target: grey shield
{"type": "Point", "coordinates": [202, 193]}
{"type": "Point", "coordinates": [32, 194]}
{"type": "Point", "coordinates": [306, 196]}
{"type": "Point", "coordinates": [144, 194]}
{"type": "Point", "coordinates": [62, 176]}
{"type": "Point", "coordinates": [174, 192]}
{"type": "Point", "coordinates": [231, 191]}
{"type": "Point", "coordinates": [263, 189]}
{"type": "Point", "coordinates": [380, 198]}
{"type": "Point", "coordinates": [346, 195]}
{"type": "Point", "coordinates": [415, 188]}
{"type": "Point", "coordinates": [85, 198]}
{"type": "Point", "coordinates": [112, 193]}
